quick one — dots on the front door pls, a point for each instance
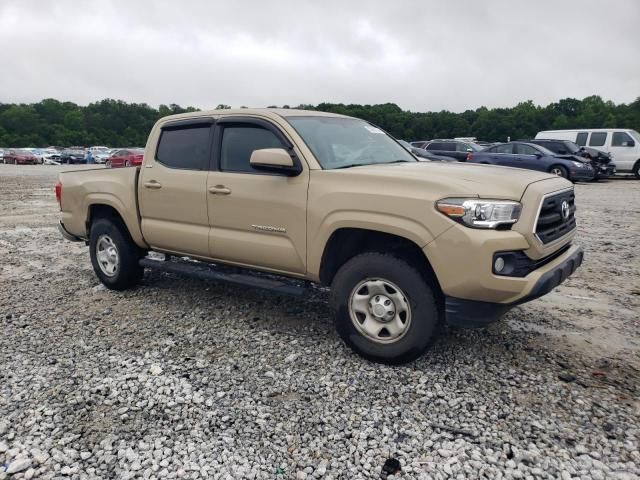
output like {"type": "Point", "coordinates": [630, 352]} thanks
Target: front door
{"type": "Point", "coordinates": [257, 219]}
{"type": "Point", "coordinates": [172, 190]}
{"type": "Point", "coordinates": [529, 157]}
{"type": "Point", "coordinates": [624, 150]}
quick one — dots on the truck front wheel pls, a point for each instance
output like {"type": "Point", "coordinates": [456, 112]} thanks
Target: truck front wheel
{"type": "Point", "coordinates": [384, 308]}
{"type": "Point", "coordinates": [114, 256]}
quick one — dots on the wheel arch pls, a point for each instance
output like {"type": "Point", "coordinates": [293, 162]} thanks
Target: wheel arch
{"type": "Point", "coordinates": [347, 242]}
{"type": "Point", "coordinates": [106, 208]}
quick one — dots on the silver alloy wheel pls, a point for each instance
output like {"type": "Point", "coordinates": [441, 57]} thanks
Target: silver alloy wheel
{"type": "Point", "coordinates": [107, 255]}
{"type": "Point", "coordinates": [557, 171]}
{"type": "Point", "coordinates": [380, 310]}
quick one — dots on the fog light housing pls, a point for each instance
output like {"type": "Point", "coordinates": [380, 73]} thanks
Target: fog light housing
{"type": "Point", "coordinates": [498, 265]}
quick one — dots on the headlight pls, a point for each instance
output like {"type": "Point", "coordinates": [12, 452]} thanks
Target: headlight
{"type": "Point", "coordinates": [480, 213]}
{"type": "Point", "coordinates": [579, 164]}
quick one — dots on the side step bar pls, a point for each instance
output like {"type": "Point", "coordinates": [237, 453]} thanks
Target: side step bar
{"type": "Point", "coordinates": [209, 272]}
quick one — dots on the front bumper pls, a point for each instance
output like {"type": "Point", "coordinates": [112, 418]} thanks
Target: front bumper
{"type": "Point", "coordinates": [472, 313]}
{"type": "Point", "coordinates": [582, 174]}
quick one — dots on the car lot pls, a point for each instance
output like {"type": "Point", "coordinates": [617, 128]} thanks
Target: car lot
{"type": "Point", "coordinates": [192, 379]}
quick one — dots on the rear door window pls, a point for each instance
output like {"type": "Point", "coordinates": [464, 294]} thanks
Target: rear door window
{"type": "Point", "coordinates": [581, 139]}
{"type": "Point", "coordinates": [185, 147]}
{"type": "Point", "coordinates": [522, 149]}
{"type": "Point", "coordinates": [508, 148]}
{"type": "Point", "coordinates": [437, 146]}
{"type": "Point", "coordinates": [598, 139]}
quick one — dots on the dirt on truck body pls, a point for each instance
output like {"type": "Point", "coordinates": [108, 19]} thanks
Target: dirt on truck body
{"type": "Point", "coordinates": [405, 245]}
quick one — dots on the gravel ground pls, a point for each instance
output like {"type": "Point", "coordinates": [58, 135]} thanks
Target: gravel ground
{"type": "Point", "coordinates": [183, 378]}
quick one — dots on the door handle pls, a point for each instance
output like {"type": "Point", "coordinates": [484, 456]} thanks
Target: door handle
{"type": "Point", "coordinates": [152, 184]}
{"type": "Point", "coordinates": [220, 190]}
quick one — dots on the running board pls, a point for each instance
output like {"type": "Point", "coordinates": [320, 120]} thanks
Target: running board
{"type": "Point", "coordinates": [209, 272]}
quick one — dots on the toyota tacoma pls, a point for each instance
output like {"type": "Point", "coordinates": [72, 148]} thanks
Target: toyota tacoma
{"type": "Point", "coordinates": [281, 198]}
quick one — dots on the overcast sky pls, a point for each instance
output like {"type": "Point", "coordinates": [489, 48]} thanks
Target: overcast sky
{"type": "Point", "coordinates": [422, 55]}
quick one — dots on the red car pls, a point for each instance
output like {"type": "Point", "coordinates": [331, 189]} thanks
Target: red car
{"type": "Point", "coordinates": [125, 158]}
{"type": "Point", "coordinates": [20, 157]}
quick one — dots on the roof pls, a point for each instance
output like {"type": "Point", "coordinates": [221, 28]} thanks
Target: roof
{"type": "Point", "coordinates": [265, 112]}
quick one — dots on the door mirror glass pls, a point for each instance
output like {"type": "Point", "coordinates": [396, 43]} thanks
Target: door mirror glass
{"type": "Point", "coordinates": [274, 160]}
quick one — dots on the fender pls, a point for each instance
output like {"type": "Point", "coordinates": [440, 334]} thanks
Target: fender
{"type": "Point", "coordinates": [405, 227]}
{"type": "Point", "coordinates": [130, 219]}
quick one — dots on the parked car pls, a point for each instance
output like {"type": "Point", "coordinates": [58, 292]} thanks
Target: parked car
{"type": "Point", "coordinates": [100, 154]}
{"type": "Point", "coordinates": [534, 157]}
{"type": "Point", "coordinates": [20, 157]}
{"type": "Point", "coordinates": [50, 156]}
{"type": "Point", "coordinates": [622, 144]}
{"type": "Point", "coordinates": [2, 155]}
{"type": "Point", "coordinates": [125, 158]}
{"type": "Point", "coordinates": [601, 162]}
{"type": "Point", "coordinates": [72, 155]}
{"type": "Point", "coordinates": [457, 149]}
{"type": "Point", "coordinates": [405, 245]}
{"type": "Point", "coordinates": [422, 154]}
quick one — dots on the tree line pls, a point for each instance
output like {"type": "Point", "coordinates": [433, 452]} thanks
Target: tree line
{"type": "Point", "coordinates": [118, 123]}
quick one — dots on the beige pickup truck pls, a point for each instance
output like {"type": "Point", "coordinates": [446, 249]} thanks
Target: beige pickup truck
{"type": "Point", "coordinates": [405, 245]}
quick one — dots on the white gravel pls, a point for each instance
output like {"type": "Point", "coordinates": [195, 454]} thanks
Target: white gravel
{"type": "Point", "coordinates": [182, 378]}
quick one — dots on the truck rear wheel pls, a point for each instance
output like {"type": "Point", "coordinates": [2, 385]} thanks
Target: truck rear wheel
{"type": "Point", "coordinates": [384, 308]}
{"type": "Point", "coordinates": [114, 256]}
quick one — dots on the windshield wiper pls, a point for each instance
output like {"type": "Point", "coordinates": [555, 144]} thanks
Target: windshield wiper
{"type": "Point", "coordinates": [375, 163]}
{"type": "Point", "coordinates": [349, 165]}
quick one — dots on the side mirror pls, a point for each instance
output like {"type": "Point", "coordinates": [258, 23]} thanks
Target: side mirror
{"type": "Point", "coordinates": [276, 160]}
{"type": "Point", "coordinates": [629, 143]}
{"type": "Point", "coordinates": [470, 150]}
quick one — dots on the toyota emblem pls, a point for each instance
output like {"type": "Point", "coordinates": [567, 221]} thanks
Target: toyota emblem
{"type": "Point", "coordinates": [565, 209]}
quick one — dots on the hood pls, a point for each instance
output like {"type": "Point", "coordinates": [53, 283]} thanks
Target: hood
{"type": "Point", "coordinates": [451, 179]}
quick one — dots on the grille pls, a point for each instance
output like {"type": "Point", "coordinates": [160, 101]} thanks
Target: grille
{"type": "Point", "coordinates": [552, 224]}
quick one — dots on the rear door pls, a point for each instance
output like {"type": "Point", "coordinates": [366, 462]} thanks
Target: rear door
{"type": "Point", "coordinates": [624, 150]}
{"type": "Point", "coordinates": [502, 155]}
{"type": "Point", "coordinates": [257, 219]}
{"type": "Point", "coordinates": [172, 189]}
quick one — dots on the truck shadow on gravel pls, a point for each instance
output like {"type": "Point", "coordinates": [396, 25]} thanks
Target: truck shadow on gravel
{"type": "Point", "coordinates": [227, 313]}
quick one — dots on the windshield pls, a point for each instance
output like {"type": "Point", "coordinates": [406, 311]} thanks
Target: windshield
{"type": "Point", "coordinates": [572, 147]}
{"type": "Point", "coordinates": [346, 142]}
{"type": "Point", "coordinates": [635, 135]}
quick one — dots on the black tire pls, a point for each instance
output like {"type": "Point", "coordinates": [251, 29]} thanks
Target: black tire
{"type": "Point", "coordinates": [420, 297]}
{"type": "Point", "coordinates": [563, 172]}
{"type": "Point", "coordinates": [128, 272]}
{"type": "Point", "coordinates": [636, 169]}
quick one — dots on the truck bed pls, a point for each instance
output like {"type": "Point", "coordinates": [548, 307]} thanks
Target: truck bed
{"type": "Point", "coordinates": [113, 187]}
